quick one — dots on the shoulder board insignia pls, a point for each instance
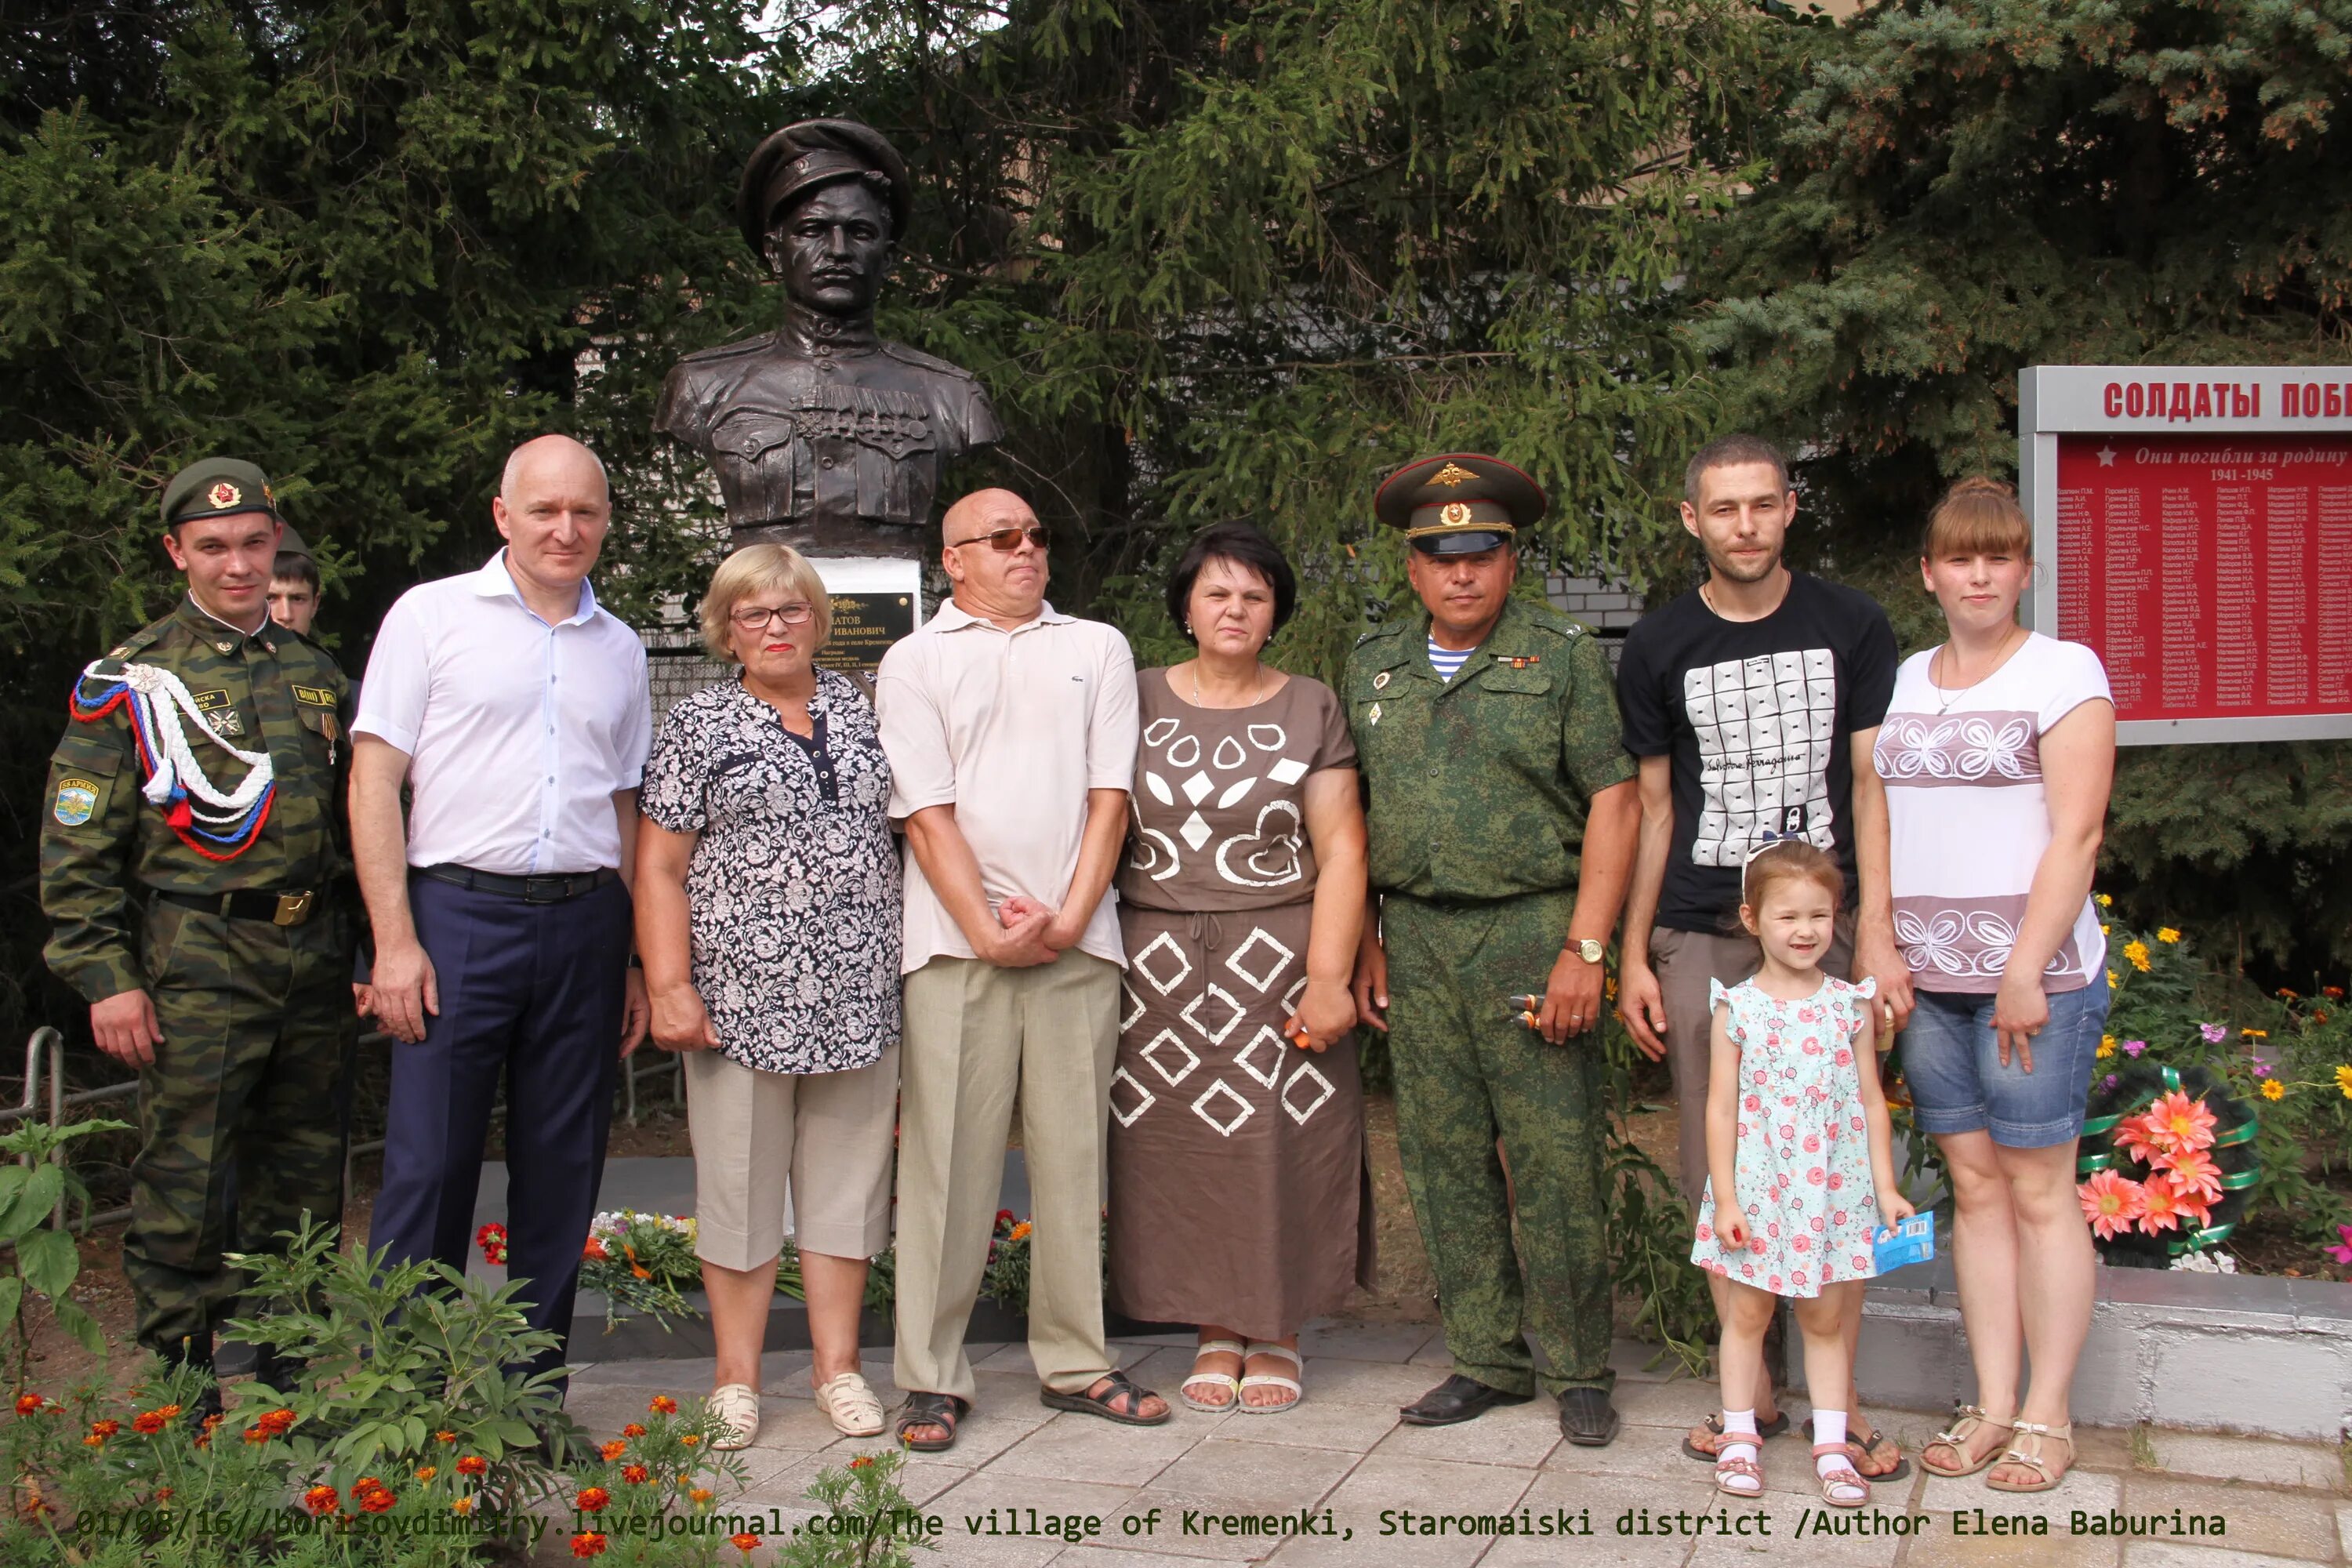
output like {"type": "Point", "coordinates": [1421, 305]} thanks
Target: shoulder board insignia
{"type": "Point", "coordinates": [316, 695]}
{"type": "Point", "coordinates": [728, 351]}
{"type": "Point", "coordinates": [917, 357]}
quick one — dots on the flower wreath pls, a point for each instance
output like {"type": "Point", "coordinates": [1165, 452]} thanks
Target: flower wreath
{"type": "Point", "coordinates": [2168, 1163]}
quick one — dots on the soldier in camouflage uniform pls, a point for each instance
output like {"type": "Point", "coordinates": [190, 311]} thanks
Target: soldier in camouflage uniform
{"type": "Point", "coordinates": [1488, 731]}
{"type": "Point", "coordinates": [195, 911]}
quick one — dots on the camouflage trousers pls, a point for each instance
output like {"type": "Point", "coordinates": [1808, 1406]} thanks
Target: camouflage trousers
{"type": "Point", "coordinates": [1467, 1071]}
{"type": "Point", "coordinates": [252, 1077]}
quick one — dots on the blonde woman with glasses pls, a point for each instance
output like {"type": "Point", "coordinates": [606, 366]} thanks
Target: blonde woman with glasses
{"type": "Point", "coordinates": [768, 919]}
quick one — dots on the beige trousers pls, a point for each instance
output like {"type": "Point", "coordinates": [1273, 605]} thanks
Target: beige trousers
{"type": "Point", "coordinates": [974, 1033]}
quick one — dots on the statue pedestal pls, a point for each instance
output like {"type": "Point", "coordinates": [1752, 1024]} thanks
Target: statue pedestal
{"type": "Point", "coordinates": [877, 600]}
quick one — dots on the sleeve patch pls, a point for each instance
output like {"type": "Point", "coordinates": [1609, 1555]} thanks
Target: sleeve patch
{"type": "Point", "coordinates": [76, 801]}
{"type": "Point", "coordinates": [316, 695]}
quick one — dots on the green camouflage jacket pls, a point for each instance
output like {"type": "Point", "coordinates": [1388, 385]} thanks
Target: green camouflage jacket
{"type": "Point", "coordinates": [100, 841]}
{"type": "Point", "coordinates": [1477, 788]}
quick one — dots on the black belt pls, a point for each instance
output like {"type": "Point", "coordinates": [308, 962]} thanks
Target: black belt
{"type": "Point", "coordinates": [290, 908]}
{"type": "Point", "coordinates": [553, 890]}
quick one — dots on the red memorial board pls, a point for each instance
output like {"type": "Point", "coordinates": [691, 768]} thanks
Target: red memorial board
{"type": "Point", "coordinates": [2211, 567]}
{"type": "Point", "coordinates": [2213, 576]}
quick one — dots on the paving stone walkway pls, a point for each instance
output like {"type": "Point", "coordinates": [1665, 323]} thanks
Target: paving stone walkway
{"type": "Point", "coordinates": [1123, 1496]}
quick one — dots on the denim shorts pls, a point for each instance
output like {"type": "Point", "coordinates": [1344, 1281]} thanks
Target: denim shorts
{"type": "Point", "coordinates": [1951, 1059]}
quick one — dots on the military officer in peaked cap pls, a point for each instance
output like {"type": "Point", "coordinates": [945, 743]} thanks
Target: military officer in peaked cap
{"type": "Point", "coordinates": [1502, 815]}
{"type": "Point", "coordinates": [190, 847]}
{"type": "Point", "coordinates": [822, 428]}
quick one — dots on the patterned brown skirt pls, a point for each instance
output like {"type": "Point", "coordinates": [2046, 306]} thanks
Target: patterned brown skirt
{"type": "Point", "coordinates": [1240, 1193]}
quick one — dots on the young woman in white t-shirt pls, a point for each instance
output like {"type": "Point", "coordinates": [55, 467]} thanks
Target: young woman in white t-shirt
{"type": "Point", "coordinates": [1998, 751]}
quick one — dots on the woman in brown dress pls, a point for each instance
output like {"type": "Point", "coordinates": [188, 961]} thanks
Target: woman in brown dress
{"type": "Point", "coordinates": [1240, 1198]}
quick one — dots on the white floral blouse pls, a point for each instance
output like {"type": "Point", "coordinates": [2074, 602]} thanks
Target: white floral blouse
{"type": "Point", "coordinates": [792, 891]}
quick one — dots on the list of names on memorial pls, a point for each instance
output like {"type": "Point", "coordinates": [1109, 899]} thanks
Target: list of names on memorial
{"type": "Point", "coordinates": [2213, 574]}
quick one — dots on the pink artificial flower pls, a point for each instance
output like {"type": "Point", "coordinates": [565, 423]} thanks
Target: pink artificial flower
{"type": "Point", "coordinates": [2214, 1032]}
{"type": "Point", "coordinates": [2341, 1253]}
{"type": "Point", "coordinates": [2111, 1201]}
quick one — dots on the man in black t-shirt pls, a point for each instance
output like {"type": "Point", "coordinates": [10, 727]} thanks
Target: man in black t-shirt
{"type": "Point", "coordinates": [1752, 703]}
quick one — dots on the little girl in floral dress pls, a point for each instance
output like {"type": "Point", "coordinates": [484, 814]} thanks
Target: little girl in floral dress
{"type": "Point", "coordinates": [1797, 1130]}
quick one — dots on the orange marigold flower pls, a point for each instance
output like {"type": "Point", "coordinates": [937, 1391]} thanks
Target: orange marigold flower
{"type": "Point", "coordinates": [588, 1543]}
{"type": "Point", "coordinates": [663, 1405]}
{"type": "Point", "coordinates": [637, 1474]}
{"type": "Point", "coordinates": [634, 1429]}
{"type": "Point", "coordinates": [473, 1465]}
{"type": "Point", "coordinates": [1021, 1232]}
{"type": "Point", "coordinates": [149, 1422]}
{"type": "Point", "coordinates": [445, 1436]}
{"type": "Point", "coordinates": [2333, 993]}
{"type": "Point", "coordinates": [93, 1441]}
{"type": "Point", "coordinates": [462, 1506]}
{"type": "Point", "coordinates": [690, 1439]}
{"type": "Point", "coordinates": [746, 1542]}
{"type": "Point", "coordinates": [105, 1428]}
{"type": "Point", "coordinates": [860, 1462]}
{"type": "Point", "coordinates": [321, 1502]}
{"type": "Point", "coordinates": [162, 1494]}
{"type": "Point", "coordinates": [427, 1472]}
{"type": "Point", "coordinates": [378, 1501]}
{"type": "Point", "coordinates": [275, 1422]}
{"type": "Point", "coordinates": [592, 1501]}
{"type": "Point", "coordinates": [613, 1450]}
{"type": "Point", "coordinates": [27, 1404]}
{"type": "Point", "coordinates": [700, 1496]}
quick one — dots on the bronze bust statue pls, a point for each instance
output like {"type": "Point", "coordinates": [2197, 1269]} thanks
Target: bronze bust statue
{"type": "Point", "coordinates": [821, 431]}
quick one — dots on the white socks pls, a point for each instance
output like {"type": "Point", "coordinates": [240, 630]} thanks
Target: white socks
{"type": "Point", "coordinates": [1829, 1427]}
{"type": "Point", "coordinates": [1740, 1442]}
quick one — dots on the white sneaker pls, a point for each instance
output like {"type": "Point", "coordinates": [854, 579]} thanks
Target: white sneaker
{"type": "Point", "coordinates": [738, 1404]}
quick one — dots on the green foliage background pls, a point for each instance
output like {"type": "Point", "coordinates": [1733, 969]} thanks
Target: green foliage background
{"type": "Point", "coordinates": [1214, 259]}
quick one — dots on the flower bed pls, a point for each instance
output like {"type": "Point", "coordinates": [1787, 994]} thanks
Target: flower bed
{"type": "Point", "coordinates": [2219, 1130]}
{"type": "Point", "coordinates": [644, 1264]}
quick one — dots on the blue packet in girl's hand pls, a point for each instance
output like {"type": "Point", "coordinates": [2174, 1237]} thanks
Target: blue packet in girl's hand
{"type": "Point", "coordinates": [1913, 1241]}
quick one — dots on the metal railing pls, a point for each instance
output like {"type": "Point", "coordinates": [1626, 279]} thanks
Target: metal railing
{"type": "Point", "coordinates": [45, 1048]}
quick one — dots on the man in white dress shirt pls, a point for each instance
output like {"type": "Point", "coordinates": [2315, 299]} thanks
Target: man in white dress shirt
{"type": "Point", "coordinates": [518, 713]}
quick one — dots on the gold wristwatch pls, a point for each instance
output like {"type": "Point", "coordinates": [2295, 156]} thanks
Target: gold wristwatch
{"type": "Point", "coordinates": [1588, 950]}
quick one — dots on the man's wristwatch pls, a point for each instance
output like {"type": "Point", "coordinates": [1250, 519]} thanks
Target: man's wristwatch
{"type": "Point", "coordinates": [1588, 950]}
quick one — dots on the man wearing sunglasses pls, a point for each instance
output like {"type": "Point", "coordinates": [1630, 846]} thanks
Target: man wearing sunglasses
{"type": "Point", "coordinates": [1010, 731]}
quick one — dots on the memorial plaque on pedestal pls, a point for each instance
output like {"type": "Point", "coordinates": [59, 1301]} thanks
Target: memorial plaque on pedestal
{"type": "Point", "coordinates": [2194, 527]}
{"type": "Point", "coordinates": [875, 602]}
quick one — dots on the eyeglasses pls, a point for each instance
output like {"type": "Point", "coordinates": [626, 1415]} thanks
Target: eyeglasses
{"type": "Point", "coordinates": [1006, 539]}
{"type": "Point", "coordinates": [755, 620]}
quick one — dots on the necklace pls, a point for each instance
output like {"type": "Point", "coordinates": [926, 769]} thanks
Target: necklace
{"type": "Point", "coordinates": [1709, 600]}
{"type": "Point", "coordinates": [1946, 697]}
{"type": "Point", "coordinates": [1257, 686]}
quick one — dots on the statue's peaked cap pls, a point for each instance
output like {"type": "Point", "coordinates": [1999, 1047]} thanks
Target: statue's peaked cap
{"type": "Point", "coordinates": [808, 153]}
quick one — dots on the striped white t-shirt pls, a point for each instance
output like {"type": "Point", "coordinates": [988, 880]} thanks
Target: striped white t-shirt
{"type": "Point", "coordinates": [1446, 660]}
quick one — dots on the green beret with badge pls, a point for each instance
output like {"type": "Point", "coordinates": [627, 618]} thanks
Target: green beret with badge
{"type": "Point", "coordinates": [216, 487]}
{"type": "Point", "coordinates": [1459, 504]}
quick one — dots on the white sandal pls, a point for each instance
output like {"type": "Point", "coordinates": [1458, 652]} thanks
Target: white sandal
{"type": "Point", "coordinates": [1267, 1380]}
{"type": "Point", "coordinates": [737, 1404]}
{"type": "Point", "coordinates": [1224, 1380]}
{"type": "Point", "coordinates": [849, 1402]}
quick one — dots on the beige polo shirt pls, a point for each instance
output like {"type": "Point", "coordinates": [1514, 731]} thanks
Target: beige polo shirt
{"type": "Point", "coordinates": [1011, 729]}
